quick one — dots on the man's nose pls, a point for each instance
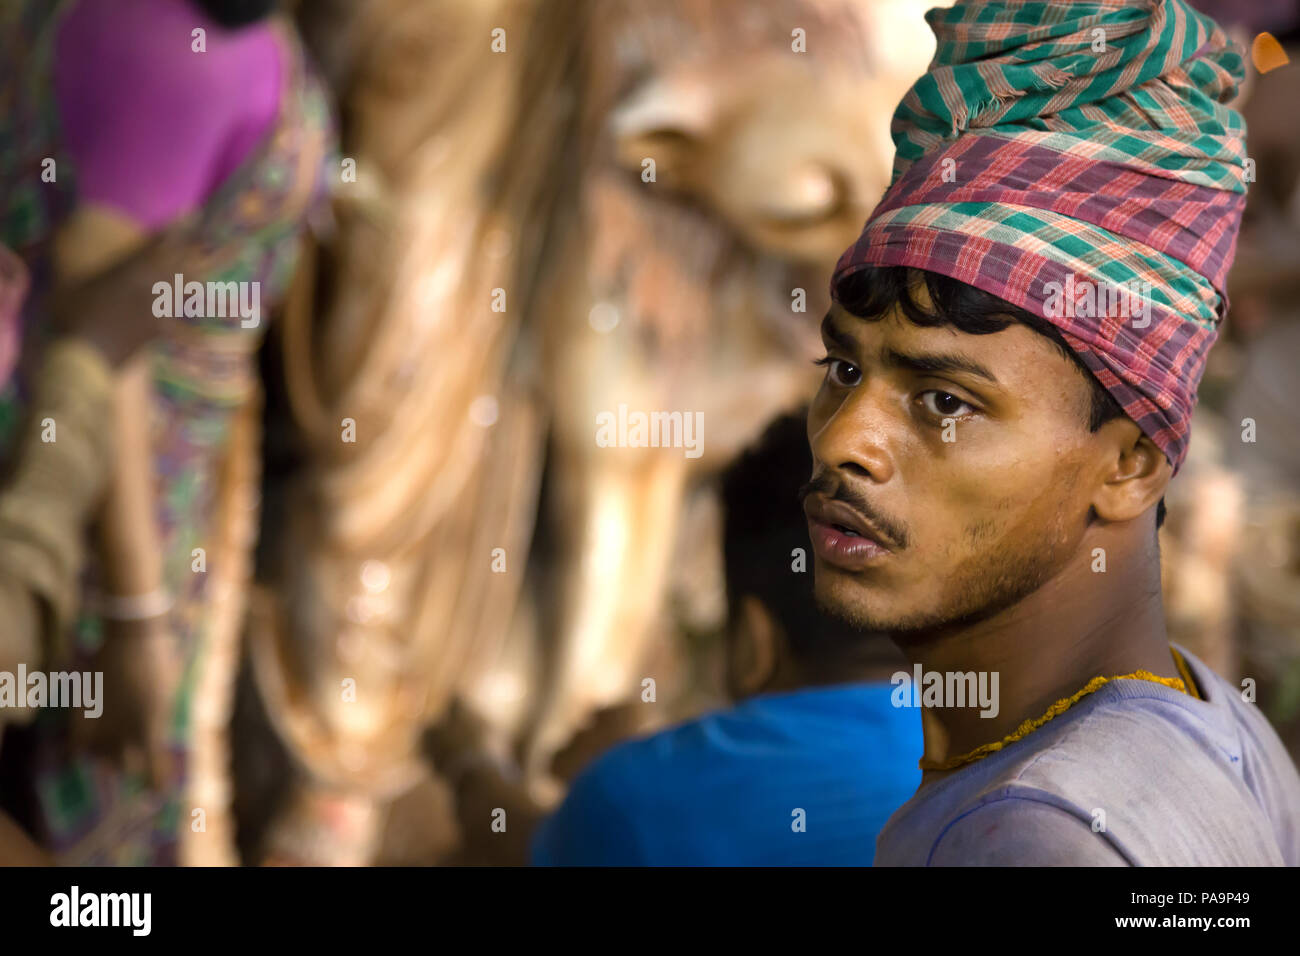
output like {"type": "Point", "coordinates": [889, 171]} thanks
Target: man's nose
{"type": "Point", "coordinates": [855, 439]}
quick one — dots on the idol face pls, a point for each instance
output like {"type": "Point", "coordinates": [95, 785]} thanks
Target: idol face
{"type": "Point", "coordinates": [952, 472]}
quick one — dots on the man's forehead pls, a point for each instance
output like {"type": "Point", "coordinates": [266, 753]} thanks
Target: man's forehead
{"type": "Point", "coordinates": [839, 323]}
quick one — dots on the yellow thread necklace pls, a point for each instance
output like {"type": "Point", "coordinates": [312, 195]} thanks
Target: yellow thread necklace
{"type": "Point", "coordinates": [1060, 707]}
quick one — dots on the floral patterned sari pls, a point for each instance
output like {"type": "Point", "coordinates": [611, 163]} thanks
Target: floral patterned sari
{"type": "Point", "coordinates": [204, 434]}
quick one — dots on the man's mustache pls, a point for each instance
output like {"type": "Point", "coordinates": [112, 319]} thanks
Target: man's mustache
{"type": "Point", "coordinates": [824, 484]}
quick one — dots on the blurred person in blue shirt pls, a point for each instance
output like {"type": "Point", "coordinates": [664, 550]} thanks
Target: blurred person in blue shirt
{"type": "Point", "coordinates": [811, 760]}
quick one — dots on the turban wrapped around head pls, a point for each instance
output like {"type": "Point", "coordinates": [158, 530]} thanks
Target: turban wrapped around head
{"type": "Point", "coordinates": [1077, 160]}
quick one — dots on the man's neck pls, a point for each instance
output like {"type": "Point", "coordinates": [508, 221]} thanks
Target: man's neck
{"type": "Point", "coordinates": [1079, 625]}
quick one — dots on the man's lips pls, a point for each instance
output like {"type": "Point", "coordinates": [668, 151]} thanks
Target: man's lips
{"type": "Point", "coordinates": [841, 536]}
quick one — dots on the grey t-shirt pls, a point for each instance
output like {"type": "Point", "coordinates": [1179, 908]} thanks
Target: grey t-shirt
{"type": "Point", "coordinates": [1135, 773]}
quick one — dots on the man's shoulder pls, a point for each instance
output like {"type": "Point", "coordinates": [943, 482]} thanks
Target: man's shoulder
{"type": "Point", "coordinates": [598, 821]}
{"type": "Point", "coordinates": [617, 806]}
{"type": "Point", "coordinates": [727, 788]}
{"type": "Point", "coordinates": [650, 767]}
{"type": "Point", "coordinates": [1024, 826]}
{"type": "Point", "coordinates": [1148, 774]}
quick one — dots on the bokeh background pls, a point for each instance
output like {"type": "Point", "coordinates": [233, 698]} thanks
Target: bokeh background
{"type": "Point", "coordinates": [500, 269]}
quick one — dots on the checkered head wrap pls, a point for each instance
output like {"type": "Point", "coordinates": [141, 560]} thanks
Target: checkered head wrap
{"type": "Point", "coordinates": [1077, 160]}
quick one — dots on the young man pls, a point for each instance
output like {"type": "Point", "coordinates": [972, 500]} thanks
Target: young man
{"type": "Point", "coordinates": [1012, 364]}
{"type": "Point", "coordinates": [812, 759]}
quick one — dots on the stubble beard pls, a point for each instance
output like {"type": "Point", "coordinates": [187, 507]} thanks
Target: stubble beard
{"type": "Point", "coordinates": [983, 585]}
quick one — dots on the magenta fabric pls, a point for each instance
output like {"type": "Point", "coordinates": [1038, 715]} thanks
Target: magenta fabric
{"type": "Point", "coordinates": [152, 127]}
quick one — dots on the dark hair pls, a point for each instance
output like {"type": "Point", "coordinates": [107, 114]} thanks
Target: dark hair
{"type": "Point", "coordinates": [763, 524]}
{"type": "Point", "coordinates": [873, 291]}
{"type": "Point", "coordinates": [237, 13]}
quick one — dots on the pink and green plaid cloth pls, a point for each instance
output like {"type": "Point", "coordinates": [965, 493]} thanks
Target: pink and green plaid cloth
{"type": "Point", "coordinates": [1078, 142]}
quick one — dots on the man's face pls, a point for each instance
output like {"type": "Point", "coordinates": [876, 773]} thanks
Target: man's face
{"type": "Point", "coordinates": [969, 458]}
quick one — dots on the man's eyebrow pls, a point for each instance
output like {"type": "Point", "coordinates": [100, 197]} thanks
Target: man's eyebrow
{"type": "Point", "coordinates": [938, 362]}
{"type": "Point", "coordinates": [832, 334]}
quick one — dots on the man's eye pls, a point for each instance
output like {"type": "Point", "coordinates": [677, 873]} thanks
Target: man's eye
{"type": "Point", "coordinates": [945, 405]}
{"type": "Point", "coordinates": [841, 373]}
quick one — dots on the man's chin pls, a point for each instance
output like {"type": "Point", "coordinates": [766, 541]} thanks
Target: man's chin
{"type": "Point", "coordinates": [866, 606]}
{"type": "Point", "coordinates": [839, 596]}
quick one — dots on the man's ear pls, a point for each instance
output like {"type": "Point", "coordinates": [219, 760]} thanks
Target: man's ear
{"type": "Point", "coordinates": [752, 662]}
{"type": "Point", "coordinates": [1136, 472]}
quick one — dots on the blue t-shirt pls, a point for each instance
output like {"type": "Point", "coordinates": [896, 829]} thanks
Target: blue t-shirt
{"type": "Point", "coordinates": [1135, 774]}
{"type": "Point", "coordinates": [807, 777]}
